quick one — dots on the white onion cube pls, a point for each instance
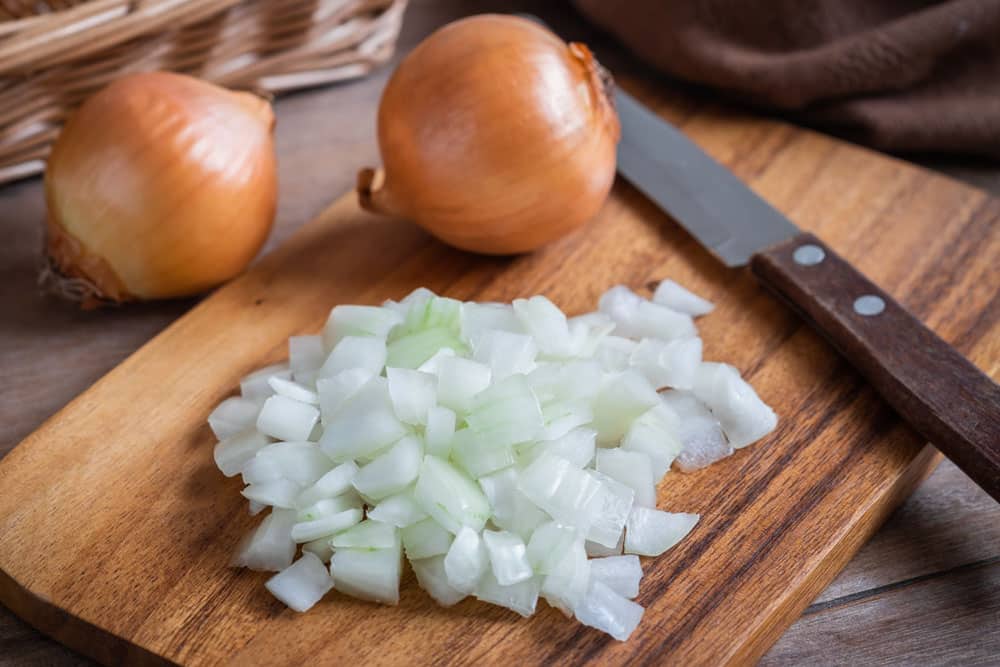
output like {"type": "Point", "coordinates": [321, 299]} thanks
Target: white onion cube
{"type": "Point", "coordinates": [365, 352]}
{"type": "Point", "coordinates": [632, 469]}
{"type": "Point", "coordinates": [609, 612]}
{"type": "Point", "coordinates": [521, 597]}
{"type": "Point", "coordinates": [674, 296]}
{"type": "Point", "coordinates": [392, 471]}
{"type": "Point", "coordinates": [413, 394]}
{"type": "Point", "coordinates": [619, 573]}
{"type": "Point", "coordinates": [369, 574]}
{"type": "Point", "coordinates": [233, 415]}
{"type": "Point", "coordinates": [449, 496]}
{"type": "Point", "coordinates": [650, 532]}
{"type": "Point", "coordinates": [302, 584]}
{"type": "Point", "coordinates": [232, 454]}
{"type": "Point", "coordinates": [432, 578]}
{"type": "Point", "coordinates": [283, 418]}
{"type": "Point", "coordinates": [425, 539]}
{"type": "Point", "coordinates": [270, 547]}
{"type": "Point", "coordinates": [466, 560]}
{"type": "Point", "coordinates": [508, 557]}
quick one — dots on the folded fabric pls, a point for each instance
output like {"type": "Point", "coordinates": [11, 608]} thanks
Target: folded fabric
{"type": "Point", "coordinates": [899, 75]}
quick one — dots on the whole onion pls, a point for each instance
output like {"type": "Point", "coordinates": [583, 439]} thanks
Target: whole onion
{"type": "Point", "coordinates": [495, 135]}
{"type": "Point", "coordinates": [160, 185]}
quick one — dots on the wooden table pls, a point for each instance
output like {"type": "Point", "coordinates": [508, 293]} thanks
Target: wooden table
{"type": "Point", "coordinates": [925, 590]}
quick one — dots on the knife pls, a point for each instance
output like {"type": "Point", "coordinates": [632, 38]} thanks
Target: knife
{"type": "Point", "coordinates": [939, 392]}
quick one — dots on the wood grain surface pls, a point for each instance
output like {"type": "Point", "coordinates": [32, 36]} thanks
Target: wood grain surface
{"type": "Point", "coordinates": [920, 559]}
{"type": "Point", "coordinates": [780, 518]}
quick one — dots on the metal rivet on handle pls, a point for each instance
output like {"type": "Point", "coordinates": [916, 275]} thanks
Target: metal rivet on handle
{"type": "Point", "coordinates": [808, 255]}
{"type": "Point", "coordinates": [869, 304]}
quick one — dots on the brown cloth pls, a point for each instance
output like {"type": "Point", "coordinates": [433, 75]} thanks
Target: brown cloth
{"type": "Point", "coordinates": [900, 75]}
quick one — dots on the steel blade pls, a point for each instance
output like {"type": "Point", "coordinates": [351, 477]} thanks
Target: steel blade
{"type": "Point", "coordinates": [717, 208]}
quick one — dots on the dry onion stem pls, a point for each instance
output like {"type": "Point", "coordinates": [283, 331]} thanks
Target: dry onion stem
{"type": "Point", "coordinates": [496, 136]}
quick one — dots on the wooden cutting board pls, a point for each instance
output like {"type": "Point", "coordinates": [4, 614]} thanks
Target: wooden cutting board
{"type": "Point", "coordinates": [116, 528]}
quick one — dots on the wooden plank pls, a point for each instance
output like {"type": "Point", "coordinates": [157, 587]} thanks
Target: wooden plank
{"type": "Point", "coordinates": [779, 518]}
{"type": "Point", "coordinates": [947, 523]}
{"type": "Point", "coordinates": [962, 605]}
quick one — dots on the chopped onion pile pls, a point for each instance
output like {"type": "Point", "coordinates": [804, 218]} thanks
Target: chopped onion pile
{"type": "Point", "coordinates": [509, 452]}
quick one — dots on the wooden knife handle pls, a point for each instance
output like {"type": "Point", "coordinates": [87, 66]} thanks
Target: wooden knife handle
{"type": "Point", "coordinates": [939, 392]}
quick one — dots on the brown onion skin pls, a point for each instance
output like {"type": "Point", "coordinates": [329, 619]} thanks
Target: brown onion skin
{"type": "Point", "coordinates": [496, 136]}
{"type": "Point", "coordinates": [160, 185]}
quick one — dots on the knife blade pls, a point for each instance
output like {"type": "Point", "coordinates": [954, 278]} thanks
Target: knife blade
{"type": "Point", "coordinates": [939, 392]}
{"type": "Point", "coordinates": [698, 192]}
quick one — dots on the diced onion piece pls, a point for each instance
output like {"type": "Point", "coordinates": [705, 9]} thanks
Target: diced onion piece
{"type": "Point", "coordinates": [587, 331]}
{"type": "Point", "coordinates": [283, 418]}
{"type": "Point", "coordinates": [654, 434]}
{"type": "Point", "coordinates": [632, 469]}
{"type": "Point", "coordinates": [558, 382]}
{"type": "Point", "coordinates": [358, 321]}
{"type": "Point", "coordinates": [301, 462]}
{"type": "Point", "coordinates": [433, 365]}
{"type": "Point", "coordinates": [508, 557]}
{"type": "Point", "coordinates": [366, 425]}
{"type": "Point", "coordinates": [546, 324]}
{"type": "Point", "coordinates": [636, 317]}
{"type": "Point", "coordinates": [650, 532]}
{"type": "Point", "coordinates": [608, 510]}
{"type": "Point", "coordinates": [333, 483]}
{"type": "Point", "coordinates": [619, 573]}
{"type": "Point", "coordinates": [507, 413]}
{"type": "Point", "coordinates": [302, 584]}
{"type": "Point", "coordinates": [369, 534]}
{"type": "Point", "coordinates": [512, 510]}
{"type": "Point", "coordinates": [578, 447]}
{"type": "Point", "coordinates": [255, 507]}
{"type": "Point", "coordinates": [744, 417]}
{"type": "Point", "coordinates": [548, 546]}
{"type": "Point", "coordinates": [255, 386]}
{"type": "Point", "coordinates": [521, 597]}
{"type": "Point", "coordinates": [609, 612]}
{"type": "Point", "coordinates": [440, 431]}
{"type": "Point", "coordinates": [232, 453]}
{"type": "Point", "coordinates": [363, 352]}
{"type": "Point", "coordinates": [699, 432]}
{"type": "Point", "coordinates": [432, 578]}
{"type": "Point", "coordinates": [260, 470]}
{"type": "Point", "coordinates": [619, 303]}
{"type": "Point", "coordinates": [450, 497]}
{"type": "Point", "coordinates": [270, 547]}
{"type": "Point", "coordinates": [478, 456]}
{"type": "Point", "coordinates": [293, 390]}
{"type": "Point", "coordinates": [307, 531]}
{"type": "Point", "coordinates": [329, 507]}
{"type": "Point", "coordinates": [477, 318]}
{"type": "Point", "coordinates": [400, 510]}
{"type": "Point", "coordinates": [233, 416]}
{"type": "Point", "coordinates": [320, 548]}
{"type": "Point", "coordinates": [561, 489]}
{"type": "Point", "coordinates": [466, 560]}
{"type": "Point", "coordinates": [673, 296]}
{"type": "Point", "coordinates": [305, 354]}
{"type": "Point", "coordinates": [622, 398]}
{"type": "Point", "coordinates": [565, 587]}
{"type": "Point", "coordinates": [336, 392]}
{"type": "Point", "coordinates": [412, 393]}
{"type": "Point", "coordinates": [505, 353]}
{"type": "Point", "coordinates": [459, 380]}
{"type": "Point", "coordinates": [428, 326]}
{"type": "Point", "coordinates": [369, 574]}
{"type": "Point", "coordinates": [391, 472]}
{"type": "Point", "coordinates": [277, 493]}
{"type": "Point", "coordinates": [595, 550]}
{"type": "Point", "coordinates": [614, 353]}
{"type": "Point", "coordinates": [425, 539]}
{"type": "Point", "coordinates": [671, 363]}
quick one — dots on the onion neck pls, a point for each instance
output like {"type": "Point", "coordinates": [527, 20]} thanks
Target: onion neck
{"type": "Point", "coordinates": [374, 196]}
{"type": "Point", "coordinates": [601, 85]}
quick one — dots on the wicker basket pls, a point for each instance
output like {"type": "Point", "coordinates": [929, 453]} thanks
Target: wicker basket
{"type": "Point", "coordinates": [54, 53]}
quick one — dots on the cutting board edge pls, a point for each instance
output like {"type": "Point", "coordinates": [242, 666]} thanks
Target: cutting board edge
{"type": "Point", "coordinates": [72, 631]}
{"type": "Point", "coordinates": [878, 512]}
